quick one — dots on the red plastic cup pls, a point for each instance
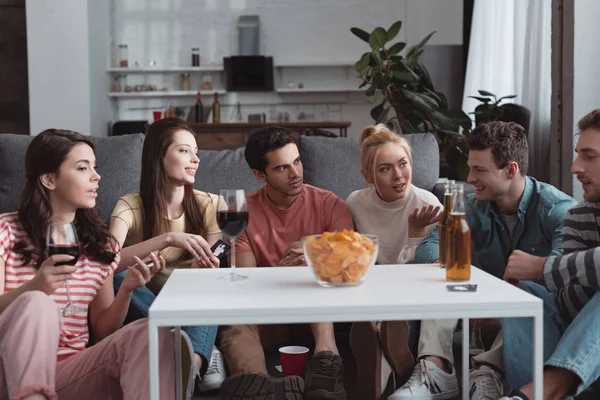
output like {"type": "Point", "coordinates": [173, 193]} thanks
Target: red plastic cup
{"type": "Point", "coordinates": [293, 360]}
{"type": "Point", "coordinates": [157, 115]}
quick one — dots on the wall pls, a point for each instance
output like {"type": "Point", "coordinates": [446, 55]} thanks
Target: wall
{"type": "Point", "coordinates": [70, 44]}
{"type": "Point", "coordinates": [586, 66]}
{"type": "Point", "coordinates": [99, 36]}
{"type": "Point", "coordinates": [58, 65]}
{"type": "Point", "coordinates": [294, 33]}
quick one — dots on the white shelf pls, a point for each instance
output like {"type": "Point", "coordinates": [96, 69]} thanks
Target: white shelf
{"type": "Point", "coordinates": [216, 68]}
{"type": "Point", "coordinates": [172, 93]}
{"type": "Point", "coordinates": [319, 90]}
{"type": "Point", "coordinates": [317, 65]}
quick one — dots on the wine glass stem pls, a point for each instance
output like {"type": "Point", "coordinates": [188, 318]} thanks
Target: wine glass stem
{"type": "Point", "coordinates": [68, 293]}
{"type": "Point", "coordinates": [232, 254]}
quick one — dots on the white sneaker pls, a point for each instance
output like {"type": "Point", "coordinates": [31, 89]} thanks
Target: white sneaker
{"type": "Point", "coordinates": [485, 384]}
{"type": "Point", "coordinates": [512, 398]}
{"type": "Point", "coordinates": [428, 382]}
{"type": "Point", "coordinates": [215, 374]}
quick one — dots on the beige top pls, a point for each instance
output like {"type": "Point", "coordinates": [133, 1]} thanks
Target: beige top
{"type": "Point", "coordinates": [129, 210]}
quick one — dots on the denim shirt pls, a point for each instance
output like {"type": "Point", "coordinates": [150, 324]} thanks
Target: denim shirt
{"type": "Point", "coordinates": [538, 231]}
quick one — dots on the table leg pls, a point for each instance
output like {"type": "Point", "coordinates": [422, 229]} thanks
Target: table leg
{"type": "Point", "coordinates": [465, 359]}
{"type": "Point", "coordinates": [538, 355]}
{"type": "Point", "coordinates": [153, 346]}
{"type": "Point", "coordinates": [178, 363]}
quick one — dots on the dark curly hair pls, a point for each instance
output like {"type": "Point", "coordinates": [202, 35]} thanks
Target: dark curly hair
{"type": "Point", "coordinates": [507, 140]}
{"type": "Point", "coordinates": [264, 141]}
{"type": "Point", "coordinates": [45, 154]}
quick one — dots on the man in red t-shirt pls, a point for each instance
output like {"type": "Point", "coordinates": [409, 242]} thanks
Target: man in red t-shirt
{"type": "Point", "coordinates": [281, 213]}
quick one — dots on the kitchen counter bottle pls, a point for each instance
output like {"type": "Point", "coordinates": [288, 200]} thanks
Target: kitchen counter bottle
{"type": "Point", "coordinates": [216, 110]}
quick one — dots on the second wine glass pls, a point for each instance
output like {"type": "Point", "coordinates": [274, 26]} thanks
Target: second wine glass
{"type": "Point", "coordinates": [232, 216]}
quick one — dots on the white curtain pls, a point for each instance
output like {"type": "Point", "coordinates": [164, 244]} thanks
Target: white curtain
{"type": "Point", "coordinates": [510, 53]}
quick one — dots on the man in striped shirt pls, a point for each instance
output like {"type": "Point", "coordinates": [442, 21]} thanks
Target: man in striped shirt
{"type": "Point", "coordinates": [572, 298]}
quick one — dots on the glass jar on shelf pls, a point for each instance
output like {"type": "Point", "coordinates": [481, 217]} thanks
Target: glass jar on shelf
{"type": "Point", "coordinates": [207, 83]}
{"type": "Point", "coordinates": [195, 57]}
{"type": "Point", "coordinates": [185, 81]}
{"type": "Point", "coordinates": [123, 56]}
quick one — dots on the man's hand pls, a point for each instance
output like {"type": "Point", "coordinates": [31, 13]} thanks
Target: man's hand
{"type": "Point", "coordinates": [293, 256]}
{"type": "Point", "coordinates": [524, 267]}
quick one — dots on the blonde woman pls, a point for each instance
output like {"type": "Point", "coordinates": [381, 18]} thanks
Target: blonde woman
{"type": "Point", "coordinates": [402, 215]}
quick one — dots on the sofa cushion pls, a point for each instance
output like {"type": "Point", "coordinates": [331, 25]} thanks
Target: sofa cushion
{"type": "Point", "coordinates": [334, 164]}
{"type": "Point", "coordinates": [224, 169]}
{"type": "Point", "coordinates": [12, 170]}
{"type": "Point", "coordinates": [119, 161]}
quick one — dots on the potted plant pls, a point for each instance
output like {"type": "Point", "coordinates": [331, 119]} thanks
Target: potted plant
{"type": "Point", "coordinates": [408, 101]}
{"type": "Point", "coordinates": [490, 109]}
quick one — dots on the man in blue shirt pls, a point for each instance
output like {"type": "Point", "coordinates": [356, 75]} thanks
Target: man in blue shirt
{"type": "Point", "coordinates": [509, 211]}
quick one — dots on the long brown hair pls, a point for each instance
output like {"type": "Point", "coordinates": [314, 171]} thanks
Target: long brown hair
{"type": "Point", "coordinates": [154, 181]}
{"type": "Point", "coordinates": [45, 154]}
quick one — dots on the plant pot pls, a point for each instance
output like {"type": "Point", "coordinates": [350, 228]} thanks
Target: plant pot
{"type": "Point", "coordinates": [516, 113]}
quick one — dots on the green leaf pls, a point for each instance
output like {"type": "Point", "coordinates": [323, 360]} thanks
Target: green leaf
{"type": "Point", "coordinates": [422, 72]}
{"type": "Point", "coordinates": [415, 49]}
{"type": "Point", "coordinates": [378, 38]}
{"type": "Point", "coordinates": [370, 91]}
{"type": "Point", "coordinates": [363, 63]}
{"type": "Point", "coordinates": [512, 96]}
{"type": "Point", "coordinates": [360, 34]}
{"type": "Point", "coordinates": [420, 101]}
{"type": "Point", "coordinates": [486, 93]}
{"type": "Point", "coordinates": [393, 31]}
{"type": "Point", "coordinates": [378, 60]}
{"type": "Point", "coordinates": [408, 127]}
{"type": "Point", "coordinates": [482, 99]}
{"type": "Point", "coordinates": [404, 76]}
{"type": "Point", "coordinates": [383, 116]}
{"type": "Point", "coordinates": [377, 110]}
{"type": "Point", "coordinates": [397, 48]}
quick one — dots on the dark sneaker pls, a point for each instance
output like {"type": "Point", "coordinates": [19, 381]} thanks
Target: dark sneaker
{"type": "Point", "coordinates": [326, 381]}
{"type": "Point", "coordinates": [262, 387]}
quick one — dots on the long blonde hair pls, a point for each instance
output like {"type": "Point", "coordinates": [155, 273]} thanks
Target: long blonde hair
{"type": "Point", "coordinates": [373, 138]}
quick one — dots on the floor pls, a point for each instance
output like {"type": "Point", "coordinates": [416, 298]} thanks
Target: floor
{"type": "Point", "coordinates": [350, 369]}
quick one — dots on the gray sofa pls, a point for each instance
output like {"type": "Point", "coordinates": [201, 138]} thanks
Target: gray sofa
{"type": "Point", "coordinates": [329, 163]}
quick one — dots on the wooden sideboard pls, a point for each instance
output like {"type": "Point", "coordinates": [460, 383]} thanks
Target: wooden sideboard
{"type": "Point", "coordinates": [234, 135]}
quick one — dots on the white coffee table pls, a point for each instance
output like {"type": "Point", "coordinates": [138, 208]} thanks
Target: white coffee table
{"type": "Point", "coordinates": [292, 295]}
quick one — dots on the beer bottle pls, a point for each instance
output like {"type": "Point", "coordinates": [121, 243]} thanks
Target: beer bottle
{"type": "Point", "coordinates": [458, 248]}
{"type": "Point", "coordinates": [445, 222]}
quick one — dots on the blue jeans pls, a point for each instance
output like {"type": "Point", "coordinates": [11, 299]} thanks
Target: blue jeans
{"type": "Point", "coordinates": [202, 337]}
{"type": "Point", "coordinates": [574, 345]}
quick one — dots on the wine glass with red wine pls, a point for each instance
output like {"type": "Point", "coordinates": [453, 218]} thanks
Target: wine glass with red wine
{"type": "Point", "coordinates": [62, 239]}
{"type": "Point", "coordinates": [232, 216]}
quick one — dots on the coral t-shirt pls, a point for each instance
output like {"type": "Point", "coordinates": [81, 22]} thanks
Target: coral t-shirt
{"type": "Point", "coordinates": [271, 230]}
{"type": "Point", "coordinates": [85, 284]}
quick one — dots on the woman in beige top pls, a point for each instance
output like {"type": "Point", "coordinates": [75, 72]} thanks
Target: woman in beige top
{"type": "Point", "coordinates": [170, 216]}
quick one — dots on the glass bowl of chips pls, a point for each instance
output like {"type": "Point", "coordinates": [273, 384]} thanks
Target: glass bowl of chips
{"type": "Point", "coordinates": [340, 258]}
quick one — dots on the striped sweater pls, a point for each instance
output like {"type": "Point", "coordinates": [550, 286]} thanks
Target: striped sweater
{"type": "Point", "coordinates": [575, 276]}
